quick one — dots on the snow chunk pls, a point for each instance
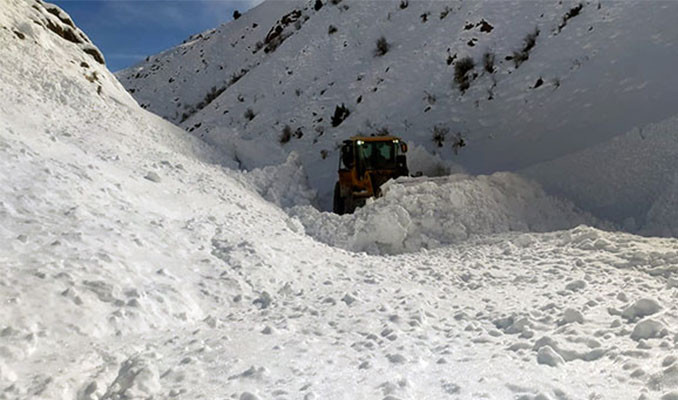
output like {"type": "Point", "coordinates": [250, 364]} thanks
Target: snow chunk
{"type": "Point", "coordinates": [137, 378]}
{"type": "Point", "coordinates": [153, 177]}
{"type": "Point", "coordinates": [648, 329]}
{"type": "Point", "coordinates": [248, 396]}
{"type": "Point", "coordinates": [285, 185]}
{"type": "Point", "coordinates": [575, 285]}
{"type": "Point", "coordinates": [640, 309]}
{"type": "Point", "coordinates": [546, 355]}
{"type": "Point", "coordinates": [571, 315]}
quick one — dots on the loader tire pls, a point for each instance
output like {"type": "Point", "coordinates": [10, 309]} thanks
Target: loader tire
{"type": "Point", "coordinates": [338, 203]}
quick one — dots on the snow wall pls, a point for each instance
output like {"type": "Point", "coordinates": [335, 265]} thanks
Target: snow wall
{"type": "Point", "coordinates": [417, 213]}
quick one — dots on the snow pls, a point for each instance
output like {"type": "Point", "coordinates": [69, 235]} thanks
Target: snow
{"type": "Point", "coordinates": [416, 213]}
{"type": "Point", "coordinates": [209, 282]}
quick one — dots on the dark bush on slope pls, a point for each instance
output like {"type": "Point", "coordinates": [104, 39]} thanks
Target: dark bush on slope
{"type": "Point", "coordinates": [382, 47]}
{"type": "Point", "coordinates": [523, 54]}
{"type": "Point", "coordinates": [573, 12]}
{"type": "Point", "coordinates": [439, 134]}
{"type": "Point", "coordinates": [249, 114]}
{"type": "Point", "coordinates": [340, 114]}
{"type": "Point", "coordinates": [488, 62]}
{"type": "Point", "coordinates": [286, 135]}
{"type": "Point", "coordinates": [461, 73]}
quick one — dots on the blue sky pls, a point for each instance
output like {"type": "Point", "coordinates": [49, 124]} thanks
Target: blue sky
{"type": "Point", "coordinates": [129, 30]}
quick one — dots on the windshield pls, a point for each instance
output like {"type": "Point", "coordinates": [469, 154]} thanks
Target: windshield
{"type": "Point", "coordinates": [377, 155]}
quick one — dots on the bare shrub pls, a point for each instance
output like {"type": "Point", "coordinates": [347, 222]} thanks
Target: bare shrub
{"type": "Point", "coordinates": [523, 54]}
{"type": "Point", "coordinates": [445, 12]}
{"type": "Point", "coordinates": [429, 98]}
{"type": "Point", "coordinates": [382, 47]}
{"type": "Point", "coordinates": [488, 62]}
{"type": "Point", "coordinates": [249, 114]}
{"type": "Point", "coordinates": [286, 135]}
{"type": "Point", "coordinates": [573, 12]}
{"type": "Point", "coordinates": [461, 70]}
{"type": "Point", "coordinates": [439, 134]}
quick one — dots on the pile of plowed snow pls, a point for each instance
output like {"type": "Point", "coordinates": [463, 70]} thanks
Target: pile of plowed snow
{"type": "Point", "coordinates": [417, 213]}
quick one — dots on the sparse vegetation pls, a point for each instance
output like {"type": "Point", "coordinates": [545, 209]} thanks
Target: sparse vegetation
{"type": "Point", "coordinates": [573, 12]}
{"type": "Point", "coordinates": [404, 4]}
{"type": "Point", "coordinates": [451, 58]}
{"type": "Point", "coordinates": [96, 55]}
{"type": "Point", "coordinates": [445, 12]}
{"type": "Point", "coordinates": [429, 98]}
{"type": "Point", "coordinates": [236, 14]}
{"type": "Point", "coordinates": [556, 83]}
{"type": "Point", "coordinates": [458, 143]}
{"type": "Point", "coordinates": [94, 77]}
{"type": "Point", "coordinates": [340, 114]}
{"type": "Point", "coordinates": [209, 97]}
{"type": "Point", "coordinates": [382, 47]}
{"type": "Point", "coordinates": [488, 62]}
{"type": "Point", "coordinates": [235, 77]}
{"type": "Point", "coordinates": [335, 2]}
{"type": "Point", "coordinates": [523, 54]}
{"type": "Point", "coordinates": [331, 29]}
{"type": "Point", "coordinates": [286, 135]}
{"type": "Point", "coordinates": [249, 114]}
{"type": "Point", "coordinates": [318, 5]}
{"type": "Point", "coordinates": [485, 26]}
{"type": "Point", "coordinates": [461, 73]}
{"type": "Point", "coordinates": [439, 134]}
{"type": "Point", "coordinates": [424, 17]}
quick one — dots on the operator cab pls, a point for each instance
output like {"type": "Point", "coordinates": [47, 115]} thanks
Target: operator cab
{"type": "Point", "coordinates": [373, 154]}
{"type": "Point", "coordinates": [366, 163]}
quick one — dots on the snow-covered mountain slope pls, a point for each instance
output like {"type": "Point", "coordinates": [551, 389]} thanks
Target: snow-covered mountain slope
{"type": "Point", "coordinates": [549, 78]}
{"type": "Point", "coordinates": [134, 266]}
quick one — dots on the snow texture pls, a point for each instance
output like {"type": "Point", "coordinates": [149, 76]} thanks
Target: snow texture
{"type": "Point", "coordinates": [417, 213]}
{"type": "Point", "coordinates": [197, 285]}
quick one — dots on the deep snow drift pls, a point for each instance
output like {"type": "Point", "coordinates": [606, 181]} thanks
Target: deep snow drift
{"type": "Point", "coordinates": [134, 266]}
{"type": "Point", "coordinates": [597, 72]}
{"type": "Point", "coordinates": [418, 213]}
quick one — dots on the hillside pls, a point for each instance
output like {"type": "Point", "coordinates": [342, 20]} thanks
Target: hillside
{"type": "Point", "coordinates": [549, 79]}
{"type": "Point", "coordinates": [134, 264]}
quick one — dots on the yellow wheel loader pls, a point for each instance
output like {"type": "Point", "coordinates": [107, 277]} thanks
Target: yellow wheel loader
{"type": "Point", "coordinates": [366, 163]}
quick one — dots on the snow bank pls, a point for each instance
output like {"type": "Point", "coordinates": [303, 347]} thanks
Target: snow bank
{"type": "Point", "coordinates": [417, 213]}
{"type": "Point", "coordinates": [630, 179]}
{"type": "Point", "coordinates": [285, 184]}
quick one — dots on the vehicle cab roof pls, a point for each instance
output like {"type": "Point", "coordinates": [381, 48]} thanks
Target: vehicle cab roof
{"type": "Point", "coordinates": [375, 138]}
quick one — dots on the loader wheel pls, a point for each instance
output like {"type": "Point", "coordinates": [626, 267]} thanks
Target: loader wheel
{"type": "Point", "coordinates": [338, 204]}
